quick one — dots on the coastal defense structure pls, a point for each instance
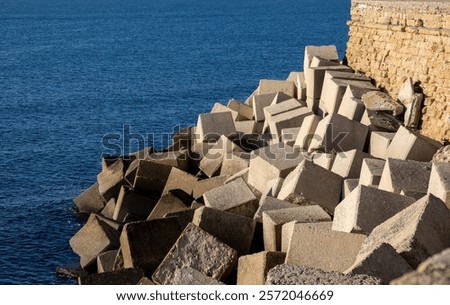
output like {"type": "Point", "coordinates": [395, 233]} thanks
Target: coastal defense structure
{"type": "Point", "coordinates": [392, 40]}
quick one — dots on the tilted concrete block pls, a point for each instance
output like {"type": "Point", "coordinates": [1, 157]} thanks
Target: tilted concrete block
{"type": "Point", "coordinates": [271, 162]}
{"type": "Point", "coordinates": [270, 203]}
{"type": "Point", "coordinates": [93, 238]}
{"type": "Point", "coordinates": [328, 52]}
{"type": "Point", "coordinates": [128, 276]}
{"type": "Point", "coordinates": [265, 100]}
{"type": "Point", "coordinates": [299, 80]}
{"type": "Point", "coordinates": [348, 164]}
{"type": "Point", "coordinates": [289, 135]}
{"type": "Point", "coordinates": [382, 102]}
{"type": "Point", "coordinates": [234, 162]}
{"type": "Point", "coordinates": [144, 244]}
{"type": "Point", "coordinates": [199, 250]}
{"type": "Point", "coordinates": [306, 132]}
{"type": "Point", "coordinates": [316, 245]}
{"type": "Point", "coordinates": [105, 261]}
{"type": "Point", "coordinates": [111, 180]}
{"type": "Point", "coordinates": [171, 202]}
{"type": "Point", "coordinates": [301, 275]}
{"type": "Point", "coordinates": [380, 121]}
{"type": "Point", "coordinates": [202, 186]}
{"type": "Point", "coordinates": [289, 119]}
{"type": "Point", "coordinates": [90, 200]}
{"type": "Point", "coordinates": [249, 100]}
{"type": "Point", "coordinates": [338, 133]}
{"type": "Point", "coordinates": [439, 184]}
{"type": "Point", "coordinates": [324, 160]}
{"type": "Point", "coordinates": [245, 112]}
{"type": "Point", "coordinates": [180, 180]}
{"type": "Point", "coordinates": [189, 276]}
{"type": "Point", "coordinates": [405, 177]}
{"type": "Point", "coordinates": [371, 171]}
{"type": "Point", "coordinates": [280, 108]}
{"type": "Point", "coordinates": [327, 193]}
{"type": "Point", "coordinates": [235, 197]}
{"type": "Point", "coordinates": [234, 230]}
{"type": "Point", "coordinates": [210, 126]}
{"type": "Point", "coordinates": [367, 207]}
{"type": "Point", "coordinates": [253, 269]}
{"type": "Point", "coordinates": [108, 210]}
{"type": "Point", "coordinates": [379, 143]}
{"type": "Point", "coordinates": [352, 105]}
{"type": "Point", "coordinates": [348, 186]}
{"type": "Point", "coordinates": [273, 86]}
{"type": "Point", "coordinates": [218, 107]}
{"type": "Point", "coordinates": [129, 202]}
{"type": "Point", "coordinates": [177, 158]}
{"type": "Point", "coordinates": [383, 262]}
{"type": "Point", "coordinates": [273, 220]}
{"type": "Point", "coordinates": [151, 177]}
{"type": "Point", "coordinates": [246, 127]}
{"type": "Point", "coordinates": [420, 230]}
{"type": "Point", "coordinates": [410, 145]}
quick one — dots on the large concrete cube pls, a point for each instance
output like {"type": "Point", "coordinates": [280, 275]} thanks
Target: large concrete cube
{"type": "Point", "coordinates": [306, 132]}
{"type": "Point", "coordinates": [279, 108]}
{"type": "Point", "coordinates": [202, 186]}
{"type": "Point", "coordinates": [111, 179]}
{"type": "Point", "coordinates": [129, 202]}
{"type": "Point", "coordinates": [234, 162]}
{"type": "Point", "coordinates": [171, 202]}
{"type": "Point", "coordinates": [371, 171]}
{"type": "Point", "coordinates": [199, 250]}
{"type": "Point", "coordinates": [253, 269]}
{"type": "Point", "coordinates": [289, 119]}
{"type": "Point", "coordinates": [382, 102]}
{"type": "Point", "coordinates": [324, 160]}
{"type": "Point", "coordinates": [151, 177]}
{"type": "Point", "coordinates": [273, 86]}
{"type": "Point", "coordinates": [210, 126]}
{"type": "Point", "coordinates": [367, 207]}
{"type": "Point", "coordinates": [265, 100]}
{"type": "Point", "coordinates": [289, 135]}
{"type": "Point", "coordinates": [379, 143]}
{"type": "Point", "coordinates": [180, 180]}
{"type": "Point", "coordinates": [270, 203]}
{"type": "Point", "coordinates": [410, 145]}
{"type": "Point", "coordinates": [90, 201]}
{"type": "Point", "coordinates": [439, 184]}
{"type": "Point", "coordinates": [348, 164]}
{"type": "Point", "coordinates": [328, 52]}
{"type": "Point", "coordinates": [299, 80]}
{"type": "Point", "coordinates": [245, 112]}
{"type": "Point", "coordinates": [218, 107]}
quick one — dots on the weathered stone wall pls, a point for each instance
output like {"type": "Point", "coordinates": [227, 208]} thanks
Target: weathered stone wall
{"type": "Point", "coordinates": [393, 40]}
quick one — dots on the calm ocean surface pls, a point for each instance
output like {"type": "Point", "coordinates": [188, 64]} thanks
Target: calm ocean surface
{"type": "Point", "coordinates": [72, 71]}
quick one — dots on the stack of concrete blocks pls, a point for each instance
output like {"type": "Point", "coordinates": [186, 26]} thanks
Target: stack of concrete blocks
{"type": "Point", "coordinates": [311, 181]}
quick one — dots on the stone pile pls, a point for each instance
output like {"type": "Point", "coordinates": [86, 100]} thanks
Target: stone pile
{"type": "Point", "coordinates": [312, 180]}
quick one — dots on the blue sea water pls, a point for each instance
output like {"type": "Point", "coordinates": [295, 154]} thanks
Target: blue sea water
{"type": "Point", "coordinates": [72, 71]}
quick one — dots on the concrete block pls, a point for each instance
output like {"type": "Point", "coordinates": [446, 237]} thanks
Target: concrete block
{"type": "Point", "coordinates": [271, 162]}
{"type": "Point", "coordinates": [410, 145]}
{"type": "Point", "coordinates": [301, 275]}
{"type": "Point", "coordinates": [171, 202]}
{"type": "Point", "coordinates": [328, 52]}
{"type": "Point", "coordinates": [379, 143]}
{"type": "Point", "coordinates": [92, 239]}
{"type": "Point", "coordinates": [420, 230]}
{"type": "Point", "coordinates": [265, 100]}
{"type": "Point", "coordinates": [118, 261]}
{"type": "Point", "coordinates": [144, 244]}
{"type": "Point", "coordinates": [351, 108]}
{"type": "Point", "coordinates": [434, 271]}
{"type": "Point", "coordinates": [210, 126]}
{"type": "Point", "coordinates": [380, 121]}
{"type": "Point", "coordinates": [218, 108]}
{"type": "Point", "coordinates": [289, 135]}
{"type": "Point", "coordinates": [249, 100]}
{"type": "Point", "coordinates": [382, 102]}
{"type": "Point", "coordinates": [177, 158]}
{"type": "Point", "coordinates": [338, 133]}
{"type": "Point", "coordinates": [151, 177]}
{"type": "Point", "coordinates": [280, 108]}
{"type": "Point", "coordinates": [202, 186]}
{"type": "Point", "coordinates": [273, 220]}
{"type": "Point", "coordinates": [270, 203]}
{"type": "Point", "coordinates": [199, 250]}
{"type": "Point", "coordinates": [145, 281]}
{"type": "Point", "coordinates": [129, 276]}
{"type": "Point", "coordinates": [129, 202]}
{"type": "Point", "coordinates": [289, 119]}
{"type": "Point", "coordinates": [327, 193]}
{"type": "Point", "coordinates": [105, 261]}
{"type": "Point", "coordinates": [306, 132]}
{"type": "Point", "coordinates": [246, 127]}
{"type": "Point", "coordinates": [235, 197]}
{"type": "Point", "coordinates": [108, 210]}
{"type": "Point", "coordinates": [189, 276]}
{"type": "Point", "coordinates": [273, 86]}
{"type": "Point", "coordinates": [413, 110]}
{"type": "Point", "coordinates": [367, 207]}
{"type": "Point", "coordinates": [348, 164]}
{"type": "Point", "coordinates": [348, 186]}
{"type": "Point", "coordinates": [439, 184]}
{"type": "Point", "coordinates": [90, 200]}
{"type": "Point", "coordinates": [405, 176]}
{"type": "Point", "coordinates": [234, 162]}
{"type": "Point", "coordinates": [234, 230]}
{"type": "Point", "coordinates": [299, 80]}
{"type": "Point", "coordinates": [324, 160]}
{"type": "Point", "coordinates": [180, 180]}
{"type": "Point", "coordinates": [315, 245]}
{"type": "Point", "coordinates": [383, 262]}
{"type": "Point", "coordinates": [245, 112]}
{"type": "Point", "coordinates": [253, 269]}
{"type": "Point", "coordinates": [110, 180]}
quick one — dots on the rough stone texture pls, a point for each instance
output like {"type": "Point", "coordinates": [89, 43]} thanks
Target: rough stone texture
{"type": "Point", "coordinates": [433, 271]}
{"type": "Point", "coordinates": [405, 177]}
{"type": "Point", "coordinates": [367, 207]}
{"type": "Point", "coordinates": [271, 162]}
{"type": "Point", "coordinates": [180, 180]}
{"type": "Point", "coordinates": [105, 261]}
{"type": "Point", "coordinates": [300, 275]}
{"type": "Point", "coordinates": [385, 37]}
{"type": "Point", "coordinates": [379, 143]}
{"type": "Point", "coordinates": [338, 133]}
{"type": "Point", "coordinates": [210, 126]}
{"type": "Point", "coordinates": [189, 276]}
{"type": "Point", "coordinates": [273, 220]}
{"type": "Point", "coordinates": [383, 262]}
{"type": "Point", "coordinates": [273, 86]}
{"type": "Point", "coordinates": [442, 155]}
{"type": "Point", "coordinates": [316, 245]}
{"type": "Point", "coordinates": [145, 281]}
{"type": "Point", "coordinates": [130, 202]}
{"type": "Point", "coordinates": [306, 132]}
{"type": "Point", "coordinates": [348, 164]}
{"type": "Point", "coordinates": [305, 180]}
{"type": "Point", "coordinates": [93, 238]}
{"type": "Point", "coordinates": [409, 145]}
{"type": "Point", "coordinates": [233, 197]}
{"type": "Point", "coordinates": [151, 177]}
{"type": "Point", "coordinates": [144, 244]}
{"type": "Point", "coordinates": [270, 203]}
{"type": "Point", "coordinates": [199, 250]}
{"type": "Point", "coordinates": [90, 201]}
{"type": "Point", "coordinates": [234, 230]}
{"type": "Point", "coordinates": [439, 184]}
{"type": "Point", "coordinates": [420, 230]}
{"type": "Point", "coordinates": [253, 269]}
{"type": "Point", "coordinates": [380, 101]}
{"type": "Point", "coordinates": [371, 171]}
{"type": "Point", "coordinates": [128, 276]}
